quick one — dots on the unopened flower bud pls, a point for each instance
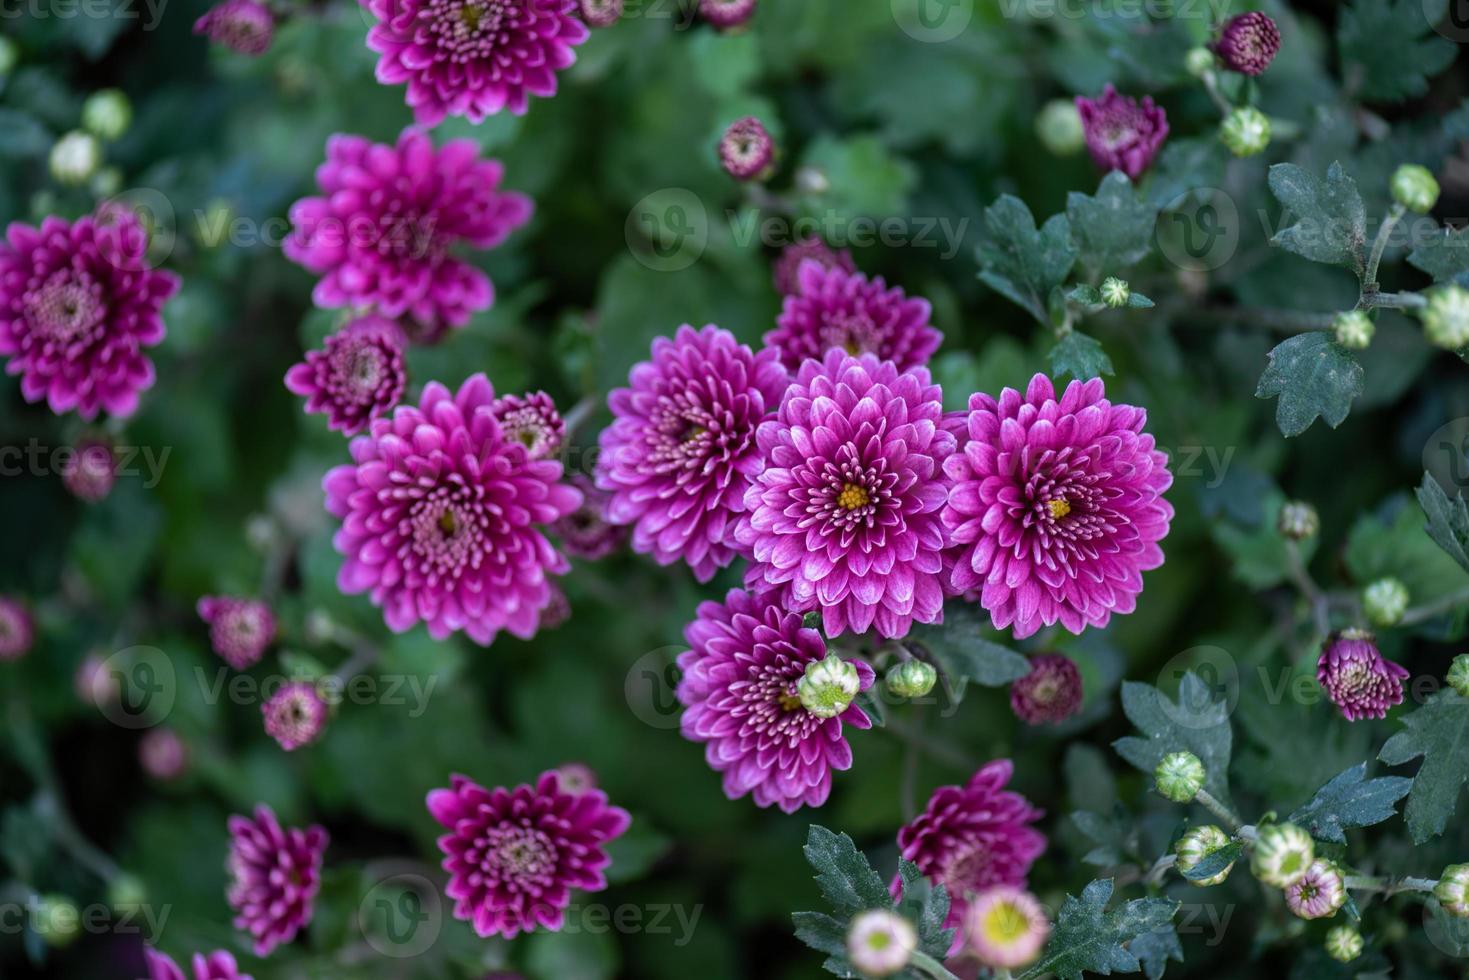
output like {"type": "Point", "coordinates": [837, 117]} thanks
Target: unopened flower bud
{"type": "Point", "coordinates": [1246, 131]}
{"type": "Point", "coordinates": [1446, 317]}
{"type": "Point", "coordinates": [601, 13]}
{"type": "Point", "coordinates": [17, 629]}
{"type": "Point", "coordinates": [1385, 601]}
{"type": "Point", "coordinates": [56, 919]}
{"type": "Point", "coordinates": [812, 180]}
{"type": "Point", "coordinates": [1414, 188]}
{"type": "Point", "coordinates": [75, 158]}
{"type": "Point", "coordinates": [1115, 292]}
{"type": "Point", "coordinates": [1180, 776]}
{"type": "Point", "coordinates": [811, 621]}
{"type": "Point", "coordinates": [1343, 944]}
{"type": "Point", "coordinates": [880, 943]}
{"type": "Point", "coordinates": [911, 679]}
{"type": "Point", "coordinates": [1353, 329]}
{"type": "Point", "coordinates": [1248, 43]}
{"type": "Point", "coordinates": [1283, 854]}
{"type": "Point", "coordinates": [1199, 61]}
{"type": "Point", "coordinates": [163, 754]}
{"type": "Point", "coordinates": [1459, 675]}
{"type": "Point", "coordinates": [828, 686]}
{"type": "Point", "coordinates": [1452, 890]}
{"type": "Point", "coordinates": [727, 14]}
{"type": "Point", "coordinates": [107, 114]}
{"type": "Point", "coordinates": [1318, 893]}
{"type": "Point", "coordinates": [747, 151]}
{"type": "Point", "coordinates": [1058, 126]}
{"type": "Point", "coordinates": [1197, 844]}
{"type": "Point", "coordinates": [1298, 521]}
{"type": "Point", "coordinates": [127, 893]}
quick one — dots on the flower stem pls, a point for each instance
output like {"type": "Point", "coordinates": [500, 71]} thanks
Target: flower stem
{"type": "Point", "coordinates": [929, 967]}
{"type": "Point", "coordinates": [1208, 802]}
{"type": "Point", "coordinates": [1301, 576]}
{"type": "Point", "coordinates": [578, 414]}
{"type": "Point", "coordinates": [1379, 245]}
{"type": "Point", "coordinates": [1211, 85]}
{"type": "Point", "coordinates": [1389, 886]}
{"type": "Point", "coordinates": [1428, 610]}
{"type": "Point", "coordinates": [1393, 301]}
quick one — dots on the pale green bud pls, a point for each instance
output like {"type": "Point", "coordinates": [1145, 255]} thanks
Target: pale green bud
{"type": "Point", "coordinates": [1058, 127]}
{"type": "Point", "coordinates": [1198, 844]}
{"type": "Point", "coordinates": [911, 679]}
{"type": "Point", "coordinates": [1343, 944]}
{"type": "Point", "coordinates": [1414, 188]}
{"type": "Point", "coordinates": [1385, 601]}
{"type": "Point", "coordinates": [1459, 675]}
{"type": "Point", "coordinates": [1180, 776]}
{"type": "Point", "coordinates": [1452, 890]}
{"type": "Point", "coordinates": [1298, 521]}
{"type": "Point", "coordinates": [1353, 329]}
{"type": "Point", "coordinates": [75, 158]}
{"type": "Point", "coordinates": [9, 56]}
{"type": "Point", "coordinates": [107, 114]}
{"type": "Point", "coordinates": [1246, 131]}
{"type": "Point", "coordinates": [56, 919]}
{"type": "Point", "coordinates": [1199, 61]}
{"type": "Point", "coordinates": [1115, 292]}
{"type": "Point", "coordinates": [1283, 854]}
{"type": "Point", "coordinates": [1446, 317]}
{"type": "Point", "coordinates": [828, 686]}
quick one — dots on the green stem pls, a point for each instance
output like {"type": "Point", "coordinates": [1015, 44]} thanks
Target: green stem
{"type": "Point", "coordinates": [1379, 245]}
{"type": "Point", "coordinates": [1224, 813]}
{"type": "Point", "coordinates": [1389, 886]}
{"type": "Point", "coordinates": [1211, 85]}
{"type": "Point", "coordinates": [929, 967]}
{"type": "Point", "coordinates": [1393, 301]}
{"type": "Point", "coordinates": [1301, 576]}
{"type": "Point", "coordinates": [1419, 614]}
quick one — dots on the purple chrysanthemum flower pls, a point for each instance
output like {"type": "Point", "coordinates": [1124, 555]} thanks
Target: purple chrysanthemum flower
{"type": "Point", "coordinates": [586, 532]}
{"type": "Point", "coordinates": [1317, 894]}
{"type": "Point", "coordinates": [1050, 693]}
{"type": "Point", "coordinates": [473, 58]}
{"type": "Point", "coordinates": [244, 26]}
{"type": "Point", "coordinates": [1121, 133]}
{"type": "Point", "coordinates": [601, 13]}
{"type": "Point", "coordinates": [17, 629]}
{"type": "Point", "coordinates": [275, 874]}
{"type": "Point", "coordinates": [1057, 506]}
{"type": "Point", "coordinates": [785, 268]}
{"type": "Point", "coordinates": [681, 449]}
{"type": "Point", "coordinates": [358, 375]}
{"type": "Point", "coordinates": [746, 149]}
{"type": "Point", "coordinates": [845, 516]}
{"type": "Point", "coordinates": [294, 715]}
{"type": "Point", "coordinates": [1357, 678]}
{"type": "Point", "coordinates": [514, 855]}
{"type": "Point", "coordinates": [442, 518]}
{"type": "Point", "coordinates": [163, 754]}
{"type": "Point", "coordinates": [739, 695]}
{"type": "Point", "coordinates": [92, 470]}
{"type": "Point", "coordinates": [727, 13]}
{"type": "Point", "coordinates": [1248, 43]}
{"type": "Point", "coordinates": [532, 421]}
{"type": "Point", "coordinates": [833, 309]}
{"type": "Point", "coordinates": [239, 629]}
{"type": "Point", "coordinates": [78, 306]}
{"type": "Point", "coordinates": [381, 233]}
{"type": "Point", "coordinates": [974, 837]}
{"type": "Point", "coordinates": [219, 965]}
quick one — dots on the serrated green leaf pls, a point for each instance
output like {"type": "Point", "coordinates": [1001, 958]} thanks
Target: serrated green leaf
{"type": "Point", "coordinates": [926, 904]}
{"type": "Point", "coordinates": [1018, 261]}
{"type": "Point", "coordinates": [1258, 553]}
{"type": "Point", "coordinates": [1196, 722]}
{"type": "Point", "coordinates": [1389, 49]}
{"type": "Point", "coordinates": [1137, 301]}
{"type": "Point", "coordinates": [1351, 800]}
{"type": "Point", "coordinates": [1330, 223]}
{"type": "Point", "coordinates": [1214, 863]}
{"type": "Point", "coordinates": [821, 932]}
{"type": "Point", "coordinates": [1114, 228]}
{"type": "Point", "coordinates": [1089, 938]}
{"type": "Point", "coordinates": [1116, 836]}
{"type": "Point", "coordinates": [1380, 546]}
{"type": "Point", "coordinates": [1313, 377]}
{"type": "Point", "coordinates": [1439, 732]}
{"type": "Point", "coordinates": [1080, 356]}
{"type": "Point", "coordinates": [843, 874]}
{"type": "Point", "coordinates": [1445, 257]}
{"type": "Point", "coordinates": [1448, 520]}
{"type": "Point", "coordinates": [1154, 949]}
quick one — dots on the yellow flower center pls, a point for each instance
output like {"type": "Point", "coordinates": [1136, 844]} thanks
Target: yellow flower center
{"type": "Point", "coordinates": [1004, 923]}
{"type": "Point", "coordinates": [790, 702]}
{"type": "Point", "coordinates": [852, 497]}
{"type": "Point", "coordinates": [1059, 508]}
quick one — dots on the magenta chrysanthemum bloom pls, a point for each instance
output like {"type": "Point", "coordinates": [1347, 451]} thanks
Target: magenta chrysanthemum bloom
{"type": "Point", "coordinates": [218, 965]}
{"type": "Point", "coordinates": [514, 855]}
{"type": "Point", "coordinates": [239, 629]}
{"type": "Point", "coordinates": [845, 516]}
{"type": "Point", "coordinates": [1357, 678]}
{"type": "Point", "coordinates": [746, 149]}
{"type": "Point", "coordinates": [162, 754]}
{"type": "Point", "coordinates": [1248, 43]}
{"type": "Point", "coordinates": [91, 471]}
{"type": "Point", "coordinates": [244, 26]}
{"type": "Point", "coordinates": [17, 629]}
{"type": "Point", "coordinates": [78, 306]}
{"type": "Point", "coordinates": [1051, 692]}
{"type": "Point", "coordinates": [974, 837]}
{"type": "Point", "coordinates": [1057, 507]}
{"type": "Point", "coordinates": [586, 532]}
{"type": "Point", "coordinates": [739, 695]}
{"type": "Point", "coordinates": [275, 873]}
{"type": "Point", "coordinates": [601, 13]}
{"type": "Point", "coordinates": [382, 231]}
{"type": "Point", "coordinates": [532, 421]}
{"type": "Point", "coordinates": [727, 13]}
{"type": "Point", "coordinates": [358, 375]}
{"type": "Point", "coordinates": [1121, 133]}
{"type": "Point", "coordinates": [785, 268]}
{"type": "Point", "coordinates": [442, 518]}
{"type": "Point", "coordinates": [294, 715]}
{"type": "Point", "coordinates": [681, 449]}
{"type": "Point", "coordinates": [473, 58]}
{"type": "Point", "coordinates": [833, 309]}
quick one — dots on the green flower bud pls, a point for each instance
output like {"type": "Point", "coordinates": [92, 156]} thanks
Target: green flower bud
{"type": "Point", "coordinates": [56, 919]}
{"type": "Point", "coordinates": [1283, 854]}
{"type": "Point", "coordinates": [1385, 601]}
{"type": "Point", "coordinates": [911, 679]}
{"type": "Point", "coordinates": [1115, 292]}
{"type": "Point", "coordinates": [1343, 944]}
{"type": "Point", "coordinates": [127, 892]}
{"type": "Point", "coordinates": [1199, 61]}
{"type": "Point", "coordinates": [107, 114]}
{"type": "Point", "coordinates": [1246, 131]}
{"type": "Point", "coordinates": [811, 621]}
{"type": "Point", "coordinates": [811, 180]}
{"type": "Point", "coordinates": [1180, 776]}
{"type": "Point", "coordinates": [1058, 126]}
{"type": "Point", "coordinates": [1353, 329]}
{"type": "Point", "coordinates": [1298, 521]}
{"type": "Point", "coordinates": [9, 56]}
{"type": "Point", "coordinates": [1198, 844]}
{"type": "Point", "coordinates": [1459, 675]}
{"type": "Point", "coordinates": [75, 158]}
{"type": "Point", "coordinates": [1446, 317]}
{"type": "Point", "coordinates": [1452, 890]}
{"type": "Point", "coordinates": [1414, 188]}
{"type": "Point", "coordinates": [828, 686]}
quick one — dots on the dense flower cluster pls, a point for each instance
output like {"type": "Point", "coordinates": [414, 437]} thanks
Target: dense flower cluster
{"type": "Point", "coordinates": [294, 715]}
{"type": "Point", "coordinates": [532, 421]}
{"type": "Point", "coordinates": [275, 873]}
{"type": "Point", "coordinates": [1248, 43]}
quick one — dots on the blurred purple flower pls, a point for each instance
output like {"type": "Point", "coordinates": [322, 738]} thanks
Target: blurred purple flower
{"type": "Point", "coordinates": [746, 150]}
{"type": "Point", "coordinates": [727, 13]}
{"type": "Point", "coordinates": [784, 270]}
{"type": "Point", "coordinates": [1248, 42]}
{"type": "Point", "coordinates": [275, 873]}
{"type": "Point", "coordinates": [162, 754]}
{"type": "Point", "coordinates": [239, 629]}
{"type": "Point", "coordinates": [1050, 693]}
{"type": "Point", "coordinates": [295, 715]}
{"type": "Point", "coordinates": [218, 965]}
{"type": "Point", "coordinates": [244, 26]}
{"type": "Point", "coordinates": [532, 421]}
{"type": "Point", "coordinates": [586, 532]}
{"type": "Point", "coordinates": [92, 470]}
{"type": "Point", "coordinates": [1122, 134]}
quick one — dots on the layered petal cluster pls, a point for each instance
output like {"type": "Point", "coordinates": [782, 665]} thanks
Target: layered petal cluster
{"type": "Point", "coordinates": [532, 421]}
{"type": "Point", "coordinates": [739, 694]}
{"type": "Point", "coordinates": [239, 629]}
{"type": "Point", "coordinates": [381, 233]}
{"type": "Point", "coordinates": [514, 855]}
{"type": "Point", "coordinates": [784, 270]}
{"type": "Point", "coordinates": [219, 965]}
{"type": "Point", "coordinates": [836, 309]}
{"type": "Point", "coordinates": [295, 715]}
{"type": "Point", "coordinates": [681, 450]}
{"type": "Point", "coordinates": [244, 26]}
{"type": "Point", "coordinates": [275, 873]}
{"type": "Point", "coordinates": [358, 375]}
{"type": "Point", "coordinates": [79, 306]}
{"type": "Point", "coordinates": [1357, 678]}
{"type": "Point", "coordinates": [443, 518]}
{"type": "Point", "coordinates": [1057, 506]}
{"type": "Point", "coordinates": [473, 58]}
{"type": "Point", "coordinates": [1121, 132]}
{"type": "Point", "coordinates": [844, 517]}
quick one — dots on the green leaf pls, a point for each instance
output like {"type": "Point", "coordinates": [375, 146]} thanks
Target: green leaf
{"type": "Point", "coordinates": [1137, 301]}
{"type": "Point", "coordinates": [1259, 556]}
{"type": "Point", "coordinates": [1445, 257]}
{"type": "Point", "coordinates": [1089, 938]}
{"type": "Point", "coordinates": [1154, 949]}
{"type": "Point", "coordinates": [582, 955]}
{"type": "Point", "coordinates": [1448, 520]}
{"type": "Point", "coordinates": [24, 135]}
{"type": "Point", "coordinates": [1439, 732]}
{"type": "Point", "coordinates": [866, 179]}
{"type": "Point", "coordinates": [635, 852]}
{"type": "Point", "coordinates": [821, 932]}
{"type": "Point", "coordinates": [1382, 547]}
{"type": "Point", "coordinates": [962, 653]}
{"type": "Point", "coordinates": [926, 905]}
{"type": "Point", "coordinates": [1116, 836]}
{"type": "Point", "coordinates": [1084, 295]}
{"type": "Point", "coordinates": [1114, 228]}
{"type": "Point", "coordinates": [1330, 225]}
{"type": "Point", "coordinates": [1080, 356]}
{"type": "Point", "coordinates": [1214, 863]}
{"type": "Point", "coordinates": [1389, 49]}
{"type": "Point", "coordinates": [1313, 376]}
{"type": "Point", "coordinates": [1351, 800]}
{"type": "Point", "coordinates": [1021, 263]}
{"type": "Point", "coordinates": [1195, 722]}
{"type": "Point", "coordinates": [843, 874]}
